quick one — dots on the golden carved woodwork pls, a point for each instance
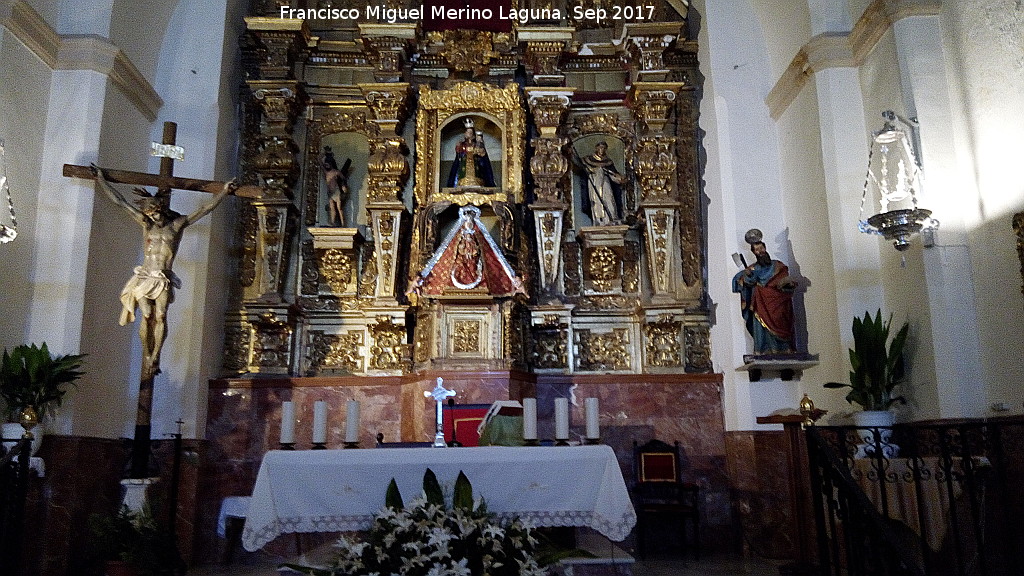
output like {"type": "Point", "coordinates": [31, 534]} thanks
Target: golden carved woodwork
{"type": "Point", "coordinates": [548, 166]}
{"type": "Point", "coordinates": [600, 123]}
{"type": "Point", "coordinates": [423, 343]}
{"type": "Point", "coordinates": [662, 342]}
{"type": "Point", "coordinates": [548, 108]}
{"type": "Point", "coordinates": [698, 349]}
{"type": "Point", "coordinates": [387, 102]}
{"type": "Point", "coordinates": [272, 218]}
{"type": "Point", "coordinates": [276, 44]}
{"type": "Point", "coordinates": [603, 351]}
{"type": "Point", "coordinates": [660, 234]}
{"type": "Point", "coordinates": [349, 300]}
{"type": "Point", "coordinates": [656, 168]}
{"type": "Point", "coordinates": [503, 106]}
{"type": "Point", "coordinates": [237, 340]}
{"type": "Point", "coordinates": [631, 268]}
{"type": "Point", "coordinates": [274, 155]}
{"type": "Point", "coordinates": [607, 302]}
{"type": "Point", "coordinates": [466, 336]}
{"type": "Point", "coordinates": [652, 102]}
{"type": "Point", "coordinates": [603, 268]}
{"type": "Point", "coordinates": [368, 279]}
{"type": "Point", "coordinates": [387, 169]}
{"type": "Point", "coordinates": [468, 50]}
{"type": "Point", "coordinates": [549, 232]}
{"type": "Point", "coordinates": [648, 51]}
{"type": "Point", "coordinates": [335, 352]}
{"type": "Point", "coordinates": [572, 268]}
{"type": "Point", "coordinates": [280, 104]}
{"type": "Point", "coordinates": [249, 229]}
{"type": "Point", "coordinates": [386, 224]}
{"type": "Point", "coordinates": [388, 351]}
{"type": "Point", "coordinates": [550, 349]}
{"type": "Point", "coordinates": [271, 343]}
{"type": "Point", "coordinates": [387, 55]}
{"type": "Point", "coordinates": [336, 269]}
{"type": "Point", "coordinates": [688, 192]}
{"type": "Point", "coordinates": [543, 57]}
{"type": "Point", "coordinates": [345, 121]}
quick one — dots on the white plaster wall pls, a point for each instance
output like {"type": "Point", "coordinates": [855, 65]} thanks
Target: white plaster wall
{"type": "Point", "coordinates": [24, 83]}
{"type": "Point", "coordinates": [750, 179]}
{"type": "Point", "coordinates": [75, 252]}
{"type": "Point", "coordinates": [139, 27]}
{"type": "Point", "coordinates": [197, 79]}
{"type": "Point", "coordinates": [985, 40]}
{"type": "Point", "coordinates": [104, 404]}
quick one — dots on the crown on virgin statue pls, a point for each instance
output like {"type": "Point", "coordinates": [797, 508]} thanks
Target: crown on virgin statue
{"type": "Point", "coordinates": [468, 123]}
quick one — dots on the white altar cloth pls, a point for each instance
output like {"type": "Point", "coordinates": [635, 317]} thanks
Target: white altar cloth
{"type": "Point", "coordinates": [341, 490]}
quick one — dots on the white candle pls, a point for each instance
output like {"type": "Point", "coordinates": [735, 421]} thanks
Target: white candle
{"type": "Point", "coordinates": [319, 422]}
{"type": "Point", "coordinates": [561, 418]}
{"type": "Point", "coordinates": [352, 421]}
{"type": "Point", "coordinates": [593, 421]}
{"type": "Point", "coordinates": [287, 422]}
{"type": "Point", "coordinates": [529, 418]}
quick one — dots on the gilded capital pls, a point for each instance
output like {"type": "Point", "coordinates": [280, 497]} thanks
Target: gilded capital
{"type": "Point", "coordinates": [652, 102]}
{"type": "Point", "coordinates": [548, 108]}
{"type": "Point", "coordinates": [387, 102]}
{"type": "Point", "coordinates": [279, 101]}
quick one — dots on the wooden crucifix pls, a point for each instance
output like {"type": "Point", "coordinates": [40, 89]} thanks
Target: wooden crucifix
{"type": "Point", "coordinates": [151, 288]}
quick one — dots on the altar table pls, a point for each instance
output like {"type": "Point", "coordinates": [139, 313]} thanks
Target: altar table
{"type": "Point", "coordinates": [341, 490]}
{"type": "Point", "coordinates": [929, 500]}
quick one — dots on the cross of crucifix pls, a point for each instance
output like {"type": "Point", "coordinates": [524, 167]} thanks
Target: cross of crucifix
{"type": "Point", "coordinates": [149, 289]}
{"type": "Point", "coordinates": [165, 181]}
{"type": "Point", "coordinates": [439, 393]}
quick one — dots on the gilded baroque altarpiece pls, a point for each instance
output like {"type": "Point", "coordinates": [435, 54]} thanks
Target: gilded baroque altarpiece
{"type": "Point", "coordinates": [460, 199]}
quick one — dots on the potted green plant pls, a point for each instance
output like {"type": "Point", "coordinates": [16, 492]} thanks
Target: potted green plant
{"type": "Point", "coordinates": [877, 366]}
{"type": "Point", "coordinates": [33, 383]}
{"type": "Point", "coordinates": [133, 544]}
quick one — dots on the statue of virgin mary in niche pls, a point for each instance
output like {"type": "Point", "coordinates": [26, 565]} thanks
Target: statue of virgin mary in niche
{"type": "Point", "coordinates": [472, 166]}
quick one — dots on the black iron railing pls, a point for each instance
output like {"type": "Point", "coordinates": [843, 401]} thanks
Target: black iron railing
{"type": "Point", "coordinates": [14, 467]}
{"type": "Point", "coordinates": [923, 499]}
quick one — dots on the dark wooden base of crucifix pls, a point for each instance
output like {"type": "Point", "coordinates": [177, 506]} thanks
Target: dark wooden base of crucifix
{"type": "Point", "coordinates": [142, 464]}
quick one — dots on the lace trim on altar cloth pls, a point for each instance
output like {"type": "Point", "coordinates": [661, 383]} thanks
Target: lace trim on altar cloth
{"type": "Point", "coordinates": [255, 539]}
{"type": "Point", "coordinates": [614, 529]}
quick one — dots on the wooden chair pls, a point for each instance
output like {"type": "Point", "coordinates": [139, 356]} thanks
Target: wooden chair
{"type": "Point", "coordinates": [660, 493]}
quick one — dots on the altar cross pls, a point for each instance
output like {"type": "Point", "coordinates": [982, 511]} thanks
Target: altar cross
{"type": "Point", "coordinates": [439, 393]}
{"type": "Point", "coordinates": [150, 287]}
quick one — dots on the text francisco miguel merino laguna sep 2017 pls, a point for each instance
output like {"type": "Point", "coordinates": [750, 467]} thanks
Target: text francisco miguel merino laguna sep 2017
{"type": "Point", "coordinates": [381, 13]}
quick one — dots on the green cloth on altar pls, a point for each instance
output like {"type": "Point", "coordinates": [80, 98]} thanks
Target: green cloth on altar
{"type": "Point", "coordinates": [502, 431]}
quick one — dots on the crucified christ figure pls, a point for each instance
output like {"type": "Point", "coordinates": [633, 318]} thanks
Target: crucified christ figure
{"type": "Point", "coordinates": [151, 287]}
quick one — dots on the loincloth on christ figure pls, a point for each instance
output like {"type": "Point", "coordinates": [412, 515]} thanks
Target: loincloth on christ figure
{"type": "Point", "coordinates": [146, 285]}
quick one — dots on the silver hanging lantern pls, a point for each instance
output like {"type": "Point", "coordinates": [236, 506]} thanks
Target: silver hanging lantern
{"type": "Point", "coordinates": [8, 222]}
{"type": "Point", "coordinates": [893, 180]}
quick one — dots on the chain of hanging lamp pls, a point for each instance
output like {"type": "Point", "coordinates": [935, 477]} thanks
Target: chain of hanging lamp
{"type": "Point", "coordinates": [7, 233]}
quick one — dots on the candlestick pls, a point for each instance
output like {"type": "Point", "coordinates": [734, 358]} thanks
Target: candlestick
{"type": "Point", "coordinates": [352, 421]}
{"type": "Point", "coordinates": [287, 423]}
{"type": "Point", "coordinates": [319, 424]}
{"type": "Point", "coordinates": [561, 419]}
{"type": "Point", "coordinates": [529, 419]}
{"type": "Point", "coordinates": [593, 420]}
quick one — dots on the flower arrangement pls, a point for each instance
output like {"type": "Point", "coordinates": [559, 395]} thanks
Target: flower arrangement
{"type": "Point", "coordinates": [427, 538]}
